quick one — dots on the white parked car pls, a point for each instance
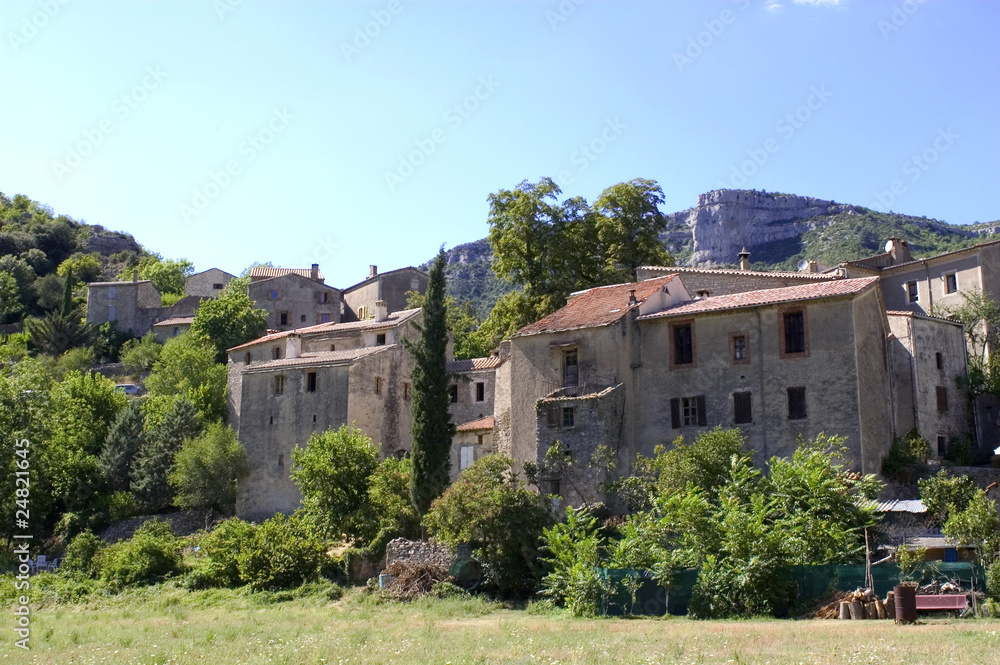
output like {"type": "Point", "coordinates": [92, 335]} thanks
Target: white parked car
{"type": "Point", "coordinates": [128, 388]}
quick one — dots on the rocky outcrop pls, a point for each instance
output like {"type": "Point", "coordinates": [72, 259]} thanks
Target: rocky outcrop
{"type": "Point", "coordinates": [109, 243]}
{"type": "Point", "coordinates": [726, 220]}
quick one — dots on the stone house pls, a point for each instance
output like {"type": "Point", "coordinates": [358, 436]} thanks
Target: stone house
{"type": "Point", "coordinates": [474, 387]}
{"type": "Point", "coordinates": [288, 385]}
{"type": "Point", "coordinates": [172, 327]}
{"type": "Point", "coordinates": [133, 306]}
{"type": "Point", "coordinates": [293, 300]}
{"type": "Point", "coordinates": [207, 283]}
{"type": "Point", "coordinates": [472, 441]}
{"type": "Point", "coordinates": [388, 287]}
{"type": "Point", "coordinates": [631, 366]}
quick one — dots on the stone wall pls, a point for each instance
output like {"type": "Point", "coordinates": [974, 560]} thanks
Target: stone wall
{"type": "Point", "coordinates": [297, 296]}
{"type": "Point", "coordinates": [415, 551]}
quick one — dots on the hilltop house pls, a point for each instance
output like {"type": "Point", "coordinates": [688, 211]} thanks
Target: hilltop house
{"type": "Point", "coordinates": [388, 287]}
{"type": "Point", "coordinates": [294, 298]}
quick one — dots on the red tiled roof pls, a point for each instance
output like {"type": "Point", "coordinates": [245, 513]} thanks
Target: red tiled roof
{"type": "Point", "coordinates": [391, 321]}
{"type": "Point", "coordinates": [475, 364]}
{"type": "Point", "coordinates": [739, 273]}
{"type": "Point", "coordinates": [901, 312]}
{"type": "Point", "coordinates": [476, 425]}
{"type": "Point", "coordinates": [264, 272]}
{"type": "Point", "coordinates": [831, 289]}
{"type": "Point", "coordinates": [176, 321]}
{"type": "Point", "coordinates": [595, 307]}
{"type": "Point", "coordinates": [317, 358]}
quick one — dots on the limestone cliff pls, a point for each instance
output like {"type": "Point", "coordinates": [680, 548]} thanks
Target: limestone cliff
{"type": "Point", "coordinates": [726, 220]}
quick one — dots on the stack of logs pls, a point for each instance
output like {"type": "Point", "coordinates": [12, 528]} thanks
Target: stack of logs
{"type": "Point", "coordinates": [864, 604]}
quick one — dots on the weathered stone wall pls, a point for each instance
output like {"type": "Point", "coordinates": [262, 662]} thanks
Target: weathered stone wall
{"type": "Point", "coordinates": [377, 404]}
{"type": "Point", "coordinates": [468, 408]}
{"type": "Point", "coordinates": [202, 284]}
{"type": "Point", "coordinates": [874, 391]}
{"type": "Point", "coordinates": [723, 282]}
{"type": "Point", "coordinates": [502, 434]}
{"type": "Point", "coordinates": [415, 551]}
{"type": "Point", "coordinates": [471, 439]}
{"type": "Point", "coordinates": [299, 297]}
{"type": "Point", "coordinates": [136, 304]}
{"type": "Point", "coordinates": [930, 278]}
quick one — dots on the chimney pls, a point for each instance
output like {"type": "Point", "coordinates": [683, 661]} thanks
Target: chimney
{"type": "Point", "coordinates": [898, 250]}
{"type": "Point", "coordinates": [372, 271]}
{"type": "Point", "coordinates": [811, 267]}
{"type": "Point", "coordinates": [314, 272]}
{"type": "Point", "coordinates": [631, 298]}
{"type": "Point", "coordinates": [135, 275]}
{"type": "Point", "coordinates": [381, 311]}
{"type": "Point", "coordinates": [744, 259]}
{"type": "Point", "coordinates": [293, 346]}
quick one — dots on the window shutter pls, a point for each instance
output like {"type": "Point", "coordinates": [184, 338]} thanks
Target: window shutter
{"type": "Point", "coordinates": [675, 413]}
{"type": "Point", "coordinates": [554, 416]}
{"type": "Point", "coordinates": [702, 416]}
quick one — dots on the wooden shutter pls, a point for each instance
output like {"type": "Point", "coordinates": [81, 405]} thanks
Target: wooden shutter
{"type": "Point", "coordinates": [675, 413]}
{"type": "Point", "coordinates": [942, 398]}
{"type": "Point", "coordinates": [742, 411]}
{"type": "Point", "coordinates": [554, 416]}
{"type": "Point", "coordinates": [702, 416]}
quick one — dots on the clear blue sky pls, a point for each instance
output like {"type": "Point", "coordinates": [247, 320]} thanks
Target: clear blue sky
{"type": "Point", "coordinates": [348, 148]}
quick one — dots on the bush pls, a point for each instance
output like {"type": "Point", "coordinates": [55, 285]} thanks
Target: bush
{"type": "Point", "coordinates": [993, 579]}
{"type": "Point", "coordinates": [282, 553]}
{"type": "Point", "coordinates": [83, 555]}
{"type": "Point", "coordinates": [945, 492]}
{"type": "Point", "coordinates": [907, 458]}
{"type": "Point", "coordinates": [222, 549]}
{"type": "Point", "coordinates": [207, 469]}
{"type": "Point", "coordinates": [489, 508]}
{"type": "Point", "coordinates": [574, 549]}
{"type": "Point", "coordinates": [148, 557]}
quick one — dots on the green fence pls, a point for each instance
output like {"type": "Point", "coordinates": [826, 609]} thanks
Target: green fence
{"type": "Point", "coordinates": [635, 592]}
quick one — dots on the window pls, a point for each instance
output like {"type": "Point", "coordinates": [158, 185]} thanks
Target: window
{"type": "Point", "coordinates": [911, 292]}
{"type": "Point", "coordinates": [453, 393]}
{"type": "Point", "coordinates": [311, 382]}
{"type": "Point", "coordinates": [279, 384]}
{"type": "Point", "coordinates": [942, 398]}
{"type": "Point", "coordinates": [568, 414]}
{"type": "Point", "coordinates": [302, 318]}
{"type": "Point", "coordinates": [112, 313]}
{"type": "Point", "coordinates": [380, 339]}
{"type": "Point", "coordinates": [795, 332]}
{"type": "Point", "coordinates": [480, 391]}
{"type": "Point", "coordinates": [362, 313]}
{"type": "Point", "coordinates": [479, 439]}
{"type": "Point", "coordinates": [217, 286]}
{"type": "Point", "coordinates": [282, 318]}
{"type": "Point", "coordinates": [466, 457]}
{"type": "Point", "coordinates": [177, 331]}
{"type": "Point", "coordinates": [406, 390]}
{"type": "Point", "coordinates": [274, 295]}
{"type": "Point", "coordinates": [281, 460]}
{"type": "Point", "coordinates": [112, 292]}
{"type": "Point", "coordinates": [688, 412]}
{"type": "Point", "coordinates": [324, 318]}
{"type": "Point", "coordinates": [797, 403]}
{"type": "Point", "coordinates": [683, 344]}
{"type": "Point", "coordinates": [742, 413]}
{"type": "Point", "coordinates": [939, 359]}
{"type": "Point", "coordinates": [738, 348]}
{"type": "Point", "coordinates": [378, 385]}
{"type": "Point", "coordinates": [571, 370]}
{"type": "Point", "coordinates": [414, 284]}
{"type": "Point", "coordinates": [249, 358]}
{"type": "Point", "coordinates": [942, 445]}
{"type": "Point", "coordinates": [276, 352]}
{"type": "Point", "coordinates": [324, 296]}
{"type": "Point", "coordinates": [333, 347]}
{"type": "Point", "coordinates": [950, 283]}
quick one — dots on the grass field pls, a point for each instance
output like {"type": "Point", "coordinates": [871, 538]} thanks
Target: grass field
{"type": "Point", "coordinates": [165, 624]}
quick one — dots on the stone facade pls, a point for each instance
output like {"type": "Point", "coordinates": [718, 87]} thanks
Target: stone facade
{"type": "Point", "coordinates": [208, 283]}
{"type": "Point", "coordinates": [169, 328]}
{"type": "Point", "coordinates": [293, 301]}
{"type": "Point", "coordinates": [133, 306]}
{"type": "Point", "coordinates": [389, 287]}
{"type": "Point", "coordinates": [288, 385]}
{"type": "Point", "coordinates": [472, 441]}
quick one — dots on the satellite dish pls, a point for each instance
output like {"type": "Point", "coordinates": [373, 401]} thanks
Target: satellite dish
{"type": "Point", "coordinates": [802, 265]}
{"type": "Point", "coordinates": [888, 245]}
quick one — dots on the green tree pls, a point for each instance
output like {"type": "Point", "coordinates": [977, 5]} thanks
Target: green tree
{"type": "Point", "coordinates": [124, 440]}
{"type": "Point", "coordinates": [462, 324]}
{"type": "Point", "coordinates": [432, 429]}
{"type": "Point", "coordinates": [980, 314]}
{"type": "Point", "coordinates": [944, 494]}
{"type": "Point", "coordinates": [977, 525]}
{"type": "Point", "coordinates": [84, 267]}
{"type": "Point", "coordinates": [167, 275]}
{"type": "Point", "coordinates": [10, 301]}
{"type": "Point", "coordinates": [187, 368]}
{"type": "Point", "coordinates": [139, 355]}
{"type": "Point", "coordinates": [208, 468]}
{"type": "Point", "coordinates": [58, 332]}
{"type": "Point", "coordinates": [50, 291]}
{"type": "Point", "coordinates": [333, 473]}
{"type": "Point", "coordinates": [155, 460]}
{"type": "Point", "coordinates": [629, 225]}
{"type": "Point", "coordinates": [230, 319]}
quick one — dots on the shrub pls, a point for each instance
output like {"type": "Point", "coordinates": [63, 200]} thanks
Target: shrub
{"type": "Point", "coordinates": [83, 555]}
{"type": "Point", "coordinates": [207, 469]}
{"type": "Point", "coordinates": [945, 492]}
{"type": "Point", "coordinates": [574, 549]}
{"type": "Point", "coordinates": [993, 578]}
{"type": "Point", "coordinates": [907, 458]}
{"type": "Point", "coordinates": [282, 553]}
{"type": "Point", "coordinates": [222, 549]}
{"type": "Point", "coordinates": [489, 508]}
{"type": "Point", "coordinates": [151, 555]}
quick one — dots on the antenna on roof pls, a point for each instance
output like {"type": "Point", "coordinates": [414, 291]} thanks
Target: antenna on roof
{"type": "Point", "coordinates": [802, 265]}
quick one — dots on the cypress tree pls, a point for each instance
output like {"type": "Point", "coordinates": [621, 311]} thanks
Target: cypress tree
{"type": "Point", "coordinates": [155, 460]}
{"type": "Point", "coordinates": [432, 429]}
{"type": "Point", "coordinates": [124, 440]}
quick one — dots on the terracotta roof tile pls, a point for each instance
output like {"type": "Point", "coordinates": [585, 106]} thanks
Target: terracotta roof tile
{"type": "Point", "coordinates": [595, 307]}
{"type": "Point", "coordinates": [176, 321]}
{"type": "Point", "coordinates": [264, 272]}
{"type": "Point", "coordinates": [808, 276]}
{"type": "Point", "coordinates": [317, 358]}
{"type": "Point", "coordinates": [830, 289]}
{"type": "Point", "coordinates": [475, 364]}
{"type": "Point", "coordinates": [476, 425]}
{"type": "Point", "coordinates": [391, 321]}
